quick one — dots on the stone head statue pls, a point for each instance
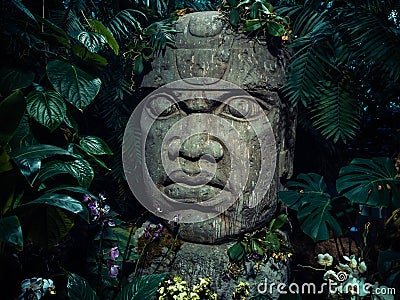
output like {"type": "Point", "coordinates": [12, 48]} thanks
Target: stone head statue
{"type": "Point", "coordinates": [216, 138]}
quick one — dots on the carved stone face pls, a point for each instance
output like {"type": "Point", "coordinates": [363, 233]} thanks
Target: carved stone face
{"type": "Point", "coordinates": [212, 155]}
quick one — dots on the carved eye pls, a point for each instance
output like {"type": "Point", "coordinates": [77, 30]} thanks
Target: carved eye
{"type": "Point", "coordinates": [162, 106]}
{"type": "Point", "coordinates": [242, 108]}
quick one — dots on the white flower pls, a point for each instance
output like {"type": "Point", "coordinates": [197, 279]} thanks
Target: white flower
{"type": "Point", "coordinates": [325, 259]}
{"type": "Point", "coordinates": [344, 268]}
{"type": "Point", "coordinates": [362, 267]}
{"type": "Point", "coordinates": [352, 262]}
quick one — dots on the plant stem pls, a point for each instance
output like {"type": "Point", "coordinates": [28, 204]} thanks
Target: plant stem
{"type": "Point", "coordinates": [169, 250]}
{"type": "Point", "coordinates": [99, 256]}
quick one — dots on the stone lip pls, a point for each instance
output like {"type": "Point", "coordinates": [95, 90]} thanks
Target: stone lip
{"type": "Point", "coordinates": [205, 46]}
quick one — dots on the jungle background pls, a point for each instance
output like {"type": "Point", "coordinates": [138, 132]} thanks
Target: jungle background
{"type": "Point", "coordinates": [70, 78]}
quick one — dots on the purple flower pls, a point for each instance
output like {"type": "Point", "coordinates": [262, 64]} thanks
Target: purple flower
{"type": "Point", "coordinates": [159, 227]}
{"type": "Point", "coordinates": [106, 209]}
{"type": "Point", "coordinates": [111, 223]}
{"type": "Point", "coordinates": [94, 208]}
{"type": "Point", "coordinates": [114, 253]}
{"type": "Point", "coordinates": [86, 198]}
{"type": "Point", "coordinates": [113, 271]}
{"type": "Point", "coordinates": [147, 231]}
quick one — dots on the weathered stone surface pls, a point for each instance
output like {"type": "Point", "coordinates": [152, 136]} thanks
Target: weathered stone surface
{"type": "Point", "coordinates": [205, 46]}
{"type": "Point", "coordinates": [194, 261]}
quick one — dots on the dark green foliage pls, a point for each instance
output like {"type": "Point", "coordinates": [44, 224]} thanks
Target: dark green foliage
{"type": "Point", "coordinates": [370, 181]}
{"type": "Point", "coordinates": [141, 288]}
{"type": "Point", "coordinates": [308, 196]}
{"type": "Point", "coordinates": [338, 48]}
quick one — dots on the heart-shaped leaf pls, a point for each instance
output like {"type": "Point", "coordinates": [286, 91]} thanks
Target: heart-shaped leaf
{"type": "Point", "coordinates": [48, 108]}
{"type": "Point", "coordinates": [141, 288]}
{"type": "Point", "coordinates": [78, 87]}
{"type": "Point", "coordinates": [94, 145]}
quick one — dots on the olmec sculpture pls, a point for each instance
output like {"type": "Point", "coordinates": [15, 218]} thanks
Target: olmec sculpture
{"type": "Point", "coordinates": [205, 46]}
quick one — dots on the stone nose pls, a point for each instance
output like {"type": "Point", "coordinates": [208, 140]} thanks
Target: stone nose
{"type": "Point", "coordinates": [201, 146]}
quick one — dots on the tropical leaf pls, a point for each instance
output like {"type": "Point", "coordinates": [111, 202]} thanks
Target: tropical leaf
{"type": "Point", "coordinates": [370, 181]}
{"type": "Point", "coordinates": [92, 41]}
{"type": "Point", "coordinates": [23, 8]}
{"type": "Point", "coordinates": [49, 218]}
{"type": "Point", "coordinates": [141, 288]}
{"type": "Point", "coordinates": [48, 108]}
{"type": "Point", "coordinates": [14, 78]}
{"type": "Point", "coordinates": [80, 169]}
{"type": "Point", "coordinates": [373, 40]}
{"type": "Point", "coordinates": [75, 189]}
{"type": "Point", "coordinates": [125, 23]}
{"type": "Point", "coordinates": [79, 289]}
{"type": "Point", "coordinates": [303, 77]}
{"type": "Point", "coordinates": [61, 201]}
{"type": "Point", "coordinates": [313, 205]}
{"type": "Point", "coordinates": [336, 112]}
{"type": "Point", "coordinates": [94, 59]}
{"type": "Point", "coordinates": [78, 87]}
{"type": "Point", "coordinates": [11, 112]}
{"type": "Point", "coordinates": [11, 232]}
{"type": "Point", "coordinates": [94, 145]}
{"type": "Point", "coordinates": [98, 27]}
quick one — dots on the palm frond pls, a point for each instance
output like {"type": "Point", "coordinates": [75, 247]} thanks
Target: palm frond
{"type": "Point", "coordinates": [126, 23]}
{"type": "Point", "coordinates": [304, 76]}
{"type": "Point", "coordinates": [336, 113]}
{"type": "Point", "coordinates": [374, 41]}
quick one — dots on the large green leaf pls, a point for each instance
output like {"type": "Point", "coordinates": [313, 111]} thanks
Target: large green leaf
{"type": "Point", "coordinates": [98, 27]}
{"type": "Point", "coordinates": [316, 216]}
{"type": "Point", "coordinates": [11, 232]}
{"type": "Point", "coordinates": [29, 159]}
{"type": "Point", "coordinates": [313, 205]}
{"type": "Point", "coordinates": [11, 112]}
{"type": "Point", "coordinates": [79, 289]}
{"type": "Point", "coordinates": [96, 60]}
{"type": "Point", "coordinates": [48, 108]}
{"type": "Point", "coordinates": [61, 201]}
{"type": "Point", "coordinates": [307, 187]}
{"type": "Point", "coordinates": [94, 145]}
{"type": "Point", "coordinates": [44, 224]}
{"type": "Point", "coordinates": [80, 169]}
{"type": "Point", "coordinates": [141, 288]}
{"type": "Point", "coordinates": [14, 78]}
{"type": "Point", "coordinates": [78, 87]}
{"type": "Point", "coordinates": [370, 181]}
